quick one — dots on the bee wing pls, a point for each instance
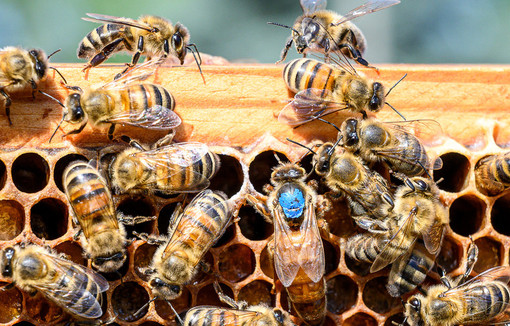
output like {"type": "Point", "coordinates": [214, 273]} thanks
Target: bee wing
{"type": "Point", "coordinates": [428, 131]}
{"type": "Point", "coordinates": [75, 287]}
{"type": "Point", "coordinates": [285, 254]}
{"type": "Point", "coordinates": [179, 154]}
{"type": "Point", "coordinates": [311, 6]}
{"type": "Point", "coordinates": [243, 317]}
{"type": "Point", "coordinates": [307, 105]}
{"type": "Point", "coordinates": [388, 254]}
{"type": "Point", "coordinates": [99, 18]}
{"type": "Point", "coordinates": [156, 117]}
{"type": "Point", "coordinates": [311, 256]}
{"type": "Point", "coordinates": [433, 237]}
{"type": "Point", "coordinates": [366, 8]}
{"type": "Point", "coordinates": [139, 73]}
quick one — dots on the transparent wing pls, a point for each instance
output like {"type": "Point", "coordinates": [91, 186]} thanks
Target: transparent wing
{"type": "Point", "coordinates": [243, 317]}
{"type": "Point", "coordinates": [427, 130]}
{"type": "Point", "coordinates": [99, 18]}
{"type": "Point", "coordinates": [156, 117]}
{"type": "Point", "coordinates": [311, 6]}
{"type": "Point", "coordinates": [139, 73]}
{"type": "Point", "coordinates": [285, 253]}
{"type": "Point", "coordinates": [311, 256]}
{"type": "Point", "coordinates": [74, 288]}
{"type": "Point", "coordinates": [433, 237]}
{"type": "Point", "coordinates": [498, 273]}
{"type": "Point", "coordinates": [366, 8]}
{"type": "Point", "coordinates": [308, 105]}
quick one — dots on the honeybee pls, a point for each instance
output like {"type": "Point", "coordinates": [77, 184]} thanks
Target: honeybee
{"type": "Point", "coordinates": [492, 173]}
{"type": "Point", "coordinates": [191, 235]}
{"type": "Point", "coordinates": [418, 213]}
{"type": "Point", "coordinates": [484, 299]}
{"type": "Point", "coordinates": [74, 288]}
{"type": "Point", "coordinates": [121, 101]}
{"type": "Point", "coordinates": [19, 68]}
{"type": "Point", "coordinates": [241, 314]}
{"type": "Point", "coordinates": [174, 168]}
{"type": "Point", "coordinates": [322, 89]}
{"type": "Point", "coordinates": [323, 31]}
{"type": "Point", "coordinates": [298, 251]}
{"type": "Point", "coordinates": [365, 247]}
{"type": "Point", "coordinates": [150, 36]}
{"type": "Point", "coordinates": [392, 142]}
{"type": "Point", "coordinates": [103, 237]}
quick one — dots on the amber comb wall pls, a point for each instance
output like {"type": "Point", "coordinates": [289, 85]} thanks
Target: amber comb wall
{"type": "Point", "coordinates": [235, 113]}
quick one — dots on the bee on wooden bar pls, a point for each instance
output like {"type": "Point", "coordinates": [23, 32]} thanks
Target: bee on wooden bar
{"type": "Point", "coordinates": [19, 68]}
{"type": "Point", "coordinates": [76, 289]}
{"type": "Point", "coordinates": [191, 234]}
{"type": "Point", "coordinates": [492, 173]}
{"type": "Point", "coordinates": [103, 237]}
{"type": "Point", "coordinates": [298, 251]}
{"type": "Point", "coordinates": [323, 31]}
{"type": "Point", "coordinates": [174, 168]}
{"type": "Point", "coordinates": [322, 89]}
{"type": "Point", "coordinates": [150, 36]}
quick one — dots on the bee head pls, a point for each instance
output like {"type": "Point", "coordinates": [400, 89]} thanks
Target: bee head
{"type": "Point", "coordinates": [377, 99]}
{"type": "Point", "coordinates": [6, 261]}
{"type": "Point", "coordinates": [323, 159]}
{"type": "Point", "coordinates": [165, 290]}
{"type": "Point", "coordinates": [413, 309]}
{"type": "Point", "coordinates": [109, 263]}
{"type": "Point", "coordinates": [287, 171]}
{"type": "Point", "coordinates": [350, 132]}
{"type": "Point", "coordinates": [310, 28]}
{"type": "Point", "coordinates": [178, 42]}
{"type": "Point", "coordinates": [40, 62]}
{"type": "Point", "coordinates": [73, 111]}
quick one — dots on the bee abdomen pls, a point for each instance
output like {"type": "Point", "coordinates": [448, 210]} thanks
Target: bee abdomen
{"type": "Point", "coordinates": [98, 38]}
{"type": "Point", "coordinates": [194, 175]}
{"type": "Point", "coordinates": [501, 169]}
{"type": "Point", "coordinates": [494, 299]}
{"type": "Point", "coordinates": [301, 74]}
{"type": "Point", "coordinates": [145, 97]}
{"type": "Point", "coordinates": [207, 316]}
{"type": "Point", "coordinates": [364, 247]}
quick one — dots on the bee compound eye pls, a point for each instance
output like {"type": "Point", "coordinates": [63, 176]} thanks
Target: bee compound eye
{"type": "Point", "coordinates": [177, 41]}
{"type": "Point", "coordinates": [278, 315]}
{"type": "Point", "coordinates": [415, 303]}
{"type": "Point", "coordinates": [175, 288]}
{"type": "Point", "coordinates": [422, 185]}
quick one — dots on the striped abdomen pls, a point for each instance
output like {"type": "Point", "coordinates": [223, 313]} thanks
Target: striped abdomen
{"type": "Point", "coordinates": [493, 173]}
{"type": "Point", "coordinates": [211, 316]}
{"type": "Point", "coordinates": [140, 98]}
{"type": "Point", "coordinates": [89, 198]}
{"type": "Point", "coordinates": [103, 35]}
{"type": "Point", "coordinates": [490, 300]}
{"type": "Point", "coordinates": [201, 224]}
{"type": "Point", "coordinates": [302, 74]}
{"type": "Point", "coordinates": [308, 298]}
{"type": "Point", "coordinates": [410, 271]}
{"type": "Point", "coordinates": [365, 246]}
{"type": "Point", "coordinates": [413, 155]}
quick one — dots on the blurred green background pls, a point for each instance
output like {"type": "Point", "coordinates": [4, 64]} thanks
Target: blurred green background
{"type": "Point", "coordinates": [415, 31]}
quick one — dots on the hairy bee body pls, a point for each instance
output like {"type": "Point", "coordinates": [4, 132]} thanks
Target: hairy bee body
{"type": "Point", "coordinates": [365, 247]}
{"type": "Point", "coordinates": [104, 238]}
{"type": "Point", "coordinates": [492, 173]}
{"type": "Point", "coordinates": [197, 228]}
{"type": "Point", "coordinates": [185, 167]}
{"type": "Point", "coordinates": [73, 287]}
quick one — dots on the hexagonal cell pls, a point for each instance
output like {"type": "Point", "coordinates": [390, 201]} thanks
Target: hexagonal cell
{"type": "Point", "coordinates": [257, 292]}
{"type": "Point", "coordinates": [143, 259]}
{"type": "Point", "coordinates": [165, 215]}
{"type": "Point", "coordinates": [11, 302]}
{"type": "Point", "coordinates": [118, 274]}
{"type": "Point", "coordinates": [397, 319]}
{"type": "Point", "coordinates": [377, 298]}
{"type": "Point", "coordinates": [62, 164]}
{"type": "Point", "coordinates": [207, 296]}
{"type": "Point", "coordinates": [360, 319]}
{"type": "Point", "coordinates": [339, 219]}
{"type": "Point", "coordinates": [137, 207]}
{"type": "Point", "coordinates": [48, 218]}
{"type": "Point", "coordinates": [12, 219]}
{"type": "Point", "coordinates": [253, 226]}
{"type": "Point", "coordinates": [236, 262]}
{"type": "Point", "coordinates": [489, 254]}
{"type": "Point", "coordinates": [42, 310]}
{"type": "Point", "coordinates": [499, 215]}
{"type": "Point", "coordinates": [454, 172]}
{"type": "Point", "coordinates": [261, 167]}
{"type": "Point", "coordinates": [229, 178]}
{"type": "Point", "coordinates": [150, 323]}
{"type": "Point", "coordinates": [267, 262]}
{"type": "Point", "coordinates": [128, 298]}
{"type": "Point", "coordinates": [357, 267]}
{"type": "Point", "coordinates": [228, 235]}
{"type": "Point", "coordinates": [180, 304]}
{"type": "Point", "coordinates": [73, 251]}
{"type": "Point", "coordinates": [30, 172]}
{"type": "Point", "coordinates": [3, 174]}
{"type": "Point", "coordinates": [332, 257]}
{"type": "Point", "coordinates": [342, 294]}
{"type": "Point", "coordinates": [24, 323]}
{"type": "Point", "coordinates": [466, 214]}
{"type": "Point", "coordinates": [450, 255]}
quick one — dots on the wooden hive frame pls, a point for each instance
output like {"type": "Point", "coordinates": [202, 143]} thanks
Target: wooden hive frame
{"type": "Point", "coordinates": [235, 113]}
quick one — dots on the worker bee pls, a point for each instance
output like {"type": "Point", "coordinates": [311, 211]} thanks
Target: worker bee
{"type": "Point", "coordinates": [392, 142]}
{"type": "Point", "coordinates": [19, 68]}
{"type": "Point", "coordinates": [365, 247]}
{"type": "Point", "coordinates": [322, 89]}
{"type": "Point", "coordinates": [103, 237]}
{"type": "Point", "coordinates": [191, 235]}
{"type": "Point", "coordinates": [240, 314]}
{"type": "Point", "coordinates": [483, 299]}
{"type": "Point", "coordinates": [150, 36]}
{"type": "Point", "coordinates": [492, 173]}
{"type": "Point", "coordinates": [121, 101]}
{"type": "Point", "coordinates": [298, 250]}
{"type": "Point", "coordinates": [174, 168]}
{"type": "Point", "coordinates": [418, 212]}
{"type": "Point", "coordinates": [323, 31]}
{"type": "Point", "coordinates": [74, 288]}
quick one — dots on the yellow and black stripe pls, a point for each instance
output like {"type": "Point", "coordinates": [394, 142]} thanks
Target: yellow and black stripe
{"type": "Point", "coordinates": [302, 74]}
{"type": "Point", "coordinates": [211, 316]}
{"type": "Point", "coordinates": [103, 35]}
{"type": "Point", "coordinates": [365, 247]}
{"type": "Point", "coordinates": [491, 299]}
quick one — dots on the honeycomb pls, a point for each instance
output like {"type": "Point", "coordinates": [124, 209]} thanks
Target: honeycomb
{"type": "Point", "coordinates": [235, 114]}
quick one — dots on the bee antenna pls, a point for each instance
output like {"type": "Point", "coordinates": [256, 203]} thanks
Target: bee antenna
{"type": "Point", "coordinates": [284, 26]}
{"type": "Point", "coordinates": [277, 158]}
{"type": "Point", "coordinates": [400, 114]}
{"type": "Point", "coordinates": [440, 180]}
{"type": "Point", "coordinates": [53, 98]}
{"type": "Point", "coordinates": [139, 311]}
{"type": "Point", "coordinates": [199, 61]}
{"type": "Point", "coordinates": [330, 123]}
{"type": "Point", "coordinates": [175, 312]}
{"type": "Point", "coordinates": [54, 132]}
{"type": "Point", "coordinates": [392, 87]}
{"type": "Point", "coordinates": [304, 146]}
{"type": "Point", "coordinates": [58, 72]}
{"type": "Point", "coordinates": [426, 172]}
{"type": "Point", "coordinates": [56, 51]}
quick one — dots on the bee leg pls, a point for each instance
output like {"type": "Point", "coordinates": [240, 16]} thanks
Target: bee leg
{"type": "Point", "coordinates": [150, 239]}
{"type": "Point", "coordinates": [76, 131]}
{"type": "Point", "coordinates": [7, 286]}
{"type": "Point", "coordinates": [133, 220]}
{"type": "Point", "coordinates": [34, 87]}
{"type": "Point", "coordinates": [260, 206]}
{"type": "Point", "coordinates": [103, 55]}
{"type": "Point", "coordinates": [8, 103]}
{"type": "Point", "coordinates": [285, 49]}
{"type": "Point", "coordinates": [354, 54]}
{"type": "Point", "coordinates": [326, 51]}
{"type": "Point", "coordinates": [165, 140]}
{"type": "Point", "coordinates": [134, 60]}
{"type": "Point", "coordinates": [77, 235]}
{"type": "Point", "coordinates": [472, 257]}
{"type": "Point", "coordinates": [110, 131]}
{"type": "Point", "coordinates": [228, 300]}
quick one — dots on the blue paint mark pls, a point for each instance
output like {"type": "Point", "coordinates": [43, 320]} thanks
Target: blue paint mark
{"type": "Point", "coordinates": [292, 203]}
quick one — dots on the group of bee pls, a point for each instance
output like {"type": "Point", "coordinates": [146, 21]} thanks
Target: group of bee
{"type": "Point", "coordinates": [404, 223]}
